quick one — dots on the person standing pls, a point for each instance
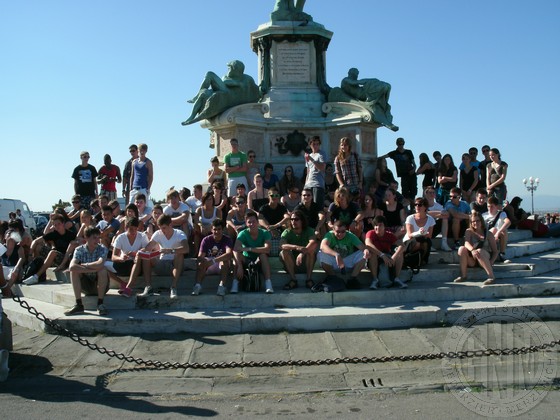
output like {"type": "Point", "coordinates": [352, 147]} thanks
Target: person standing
{"type": "Point", "coordinates": [406, 169]}
{"type": "Point", "coordinates": [315, 163]}
{"type": "Point", "coordinates": [236, 167]}
{"type": "Point", "coordinates": [85, 180]}
{"type": "Point", "coordinates": [496, 173]}
{"type": "Point", "coordinates": [142, 174]}
{"type": "Point", "coordinates": [127, 171]}
{"type": "Point", "coordinates": [348, 168]}
{"type": "Point", "coordinates": [109, 174]}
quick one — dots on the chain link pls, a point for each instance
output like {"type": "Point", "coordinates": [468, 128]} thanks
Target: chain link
{"type": "Point", "coordinates": [280, 363]}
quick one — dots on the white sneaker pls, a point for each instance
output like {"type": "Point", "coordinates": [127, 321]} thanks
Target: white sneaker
{"type": "Point", "coordinates": [221, 290]}
{"type": "Point", "coordinates": [147, 291]}
{"type": "Point", "coordinates": [400, 283]}
{"type": "Point", "coordinates": [4, 369]}
{"type": "Point", "coordinates": [173, 293]}
{"type": "Point", "coordinates": [444, 246]}
{"type": "Point", "coordinates": [34, 279]}
{"type": "Point", "coordinates": [196, 289]}
{"type": "Point", "coordinates": [268, 287]}
{"type": "Point", "coordinates": [374, 284]}
{"type": "Point", "coordinates": [234, 286]}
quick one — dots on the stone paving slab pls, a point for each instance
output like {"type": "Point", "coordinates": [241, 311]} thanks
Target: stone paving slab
{"type": "Point", "coordinates": [41, 360]}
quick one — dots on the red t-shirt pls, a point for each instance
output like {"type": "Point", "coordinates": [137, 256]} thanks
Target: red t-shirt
{"type": "Point", "coordinates": [382, 243]}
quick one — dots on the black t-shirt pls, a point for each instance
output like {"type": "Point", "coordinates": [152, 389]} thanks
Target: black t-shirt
{"type": "Point", "coordinates": [61, 242]}
{"type": "Point", "coordinates": [404, 161]}
{"type": "Point", "coordinates": [85, 175]}
{"type": "Point", "coordinates": [312, 214]}
{"type": "Point", "coordinates": [347, 215]}
{"type": "Point", "coordinates": [271, 215]}
{"type": "Point", "coordinates": [393, 217]}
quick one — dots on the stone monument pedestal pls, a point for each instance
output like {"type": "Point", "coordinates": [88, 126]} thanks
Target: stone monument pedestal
{"type": "Point", "coordinates": [294, 107]}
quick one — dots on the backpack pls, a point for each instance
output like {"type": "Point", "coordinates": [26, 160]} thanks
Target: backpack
{"type": "Point", "coordinates": [331, 284]}
{"type": "Point", "coordinates": [413, 260]}
{"type": "Point", "coordinates": [252, 277]}
{"type": "Point", "coordinates": [33, 267]}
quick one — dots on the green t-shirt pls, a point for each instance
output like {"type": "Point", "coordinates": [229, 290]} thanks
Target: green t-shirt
{"type": "Point", "coordinates": [236, 159]}
{"type": "Point", "coordinates": [346, 245]}
{"type": "Point", "coordinates": [300, 240]}
{"type": "Point", "coordinates": [247, 241]}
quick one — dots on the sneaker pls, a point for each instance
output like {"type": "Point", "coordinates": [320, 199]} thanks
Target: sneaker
{"type": "Point", "coordinates": [268, 287]}
{"type": "Point", "coordinates": [501, 256]}
{"type": "Point", "coordinates": [147, 291]}
{"type": "Point", "coordinates": [444, 246]}
{"type": "Point", "coordinates": [196, 289]}
{"type": "Point", "coordinates": [75, 310]}
{"type": "Point", "coordinates": [374, 284]}
{"type": "Point", "coordinates": [221, 290]}
{"type": "Point", "coordinates": [34, 279]}
{"type": "Point", "coordinates": [460, 279]}
{"type": "Point", "coordinates": [234, 286]}
{"type": "Point", "coordinates": [125, 292]}
{"type": "Point", "coordinates": [101, 309]}
{"type": "Point", "coordinates": [4, 369]}
{"type": "Point", "coordinates": [489, 281]}
{"type": "Point", "coordinates": [173, 293]}
{"type": "Point", "coordinates": [457, 244]}
{"type": "Point", "coordinates": [400, 283]}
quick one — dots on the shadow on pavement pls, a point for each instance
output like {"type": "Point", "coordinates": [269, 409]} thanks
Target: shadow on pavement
{"type": "Point", "coordinates": [29, 378]}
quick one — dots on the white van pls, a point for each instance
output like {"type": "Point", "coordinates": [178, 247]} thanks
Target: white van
{"type": "Point", "coordinates": [8, 205]}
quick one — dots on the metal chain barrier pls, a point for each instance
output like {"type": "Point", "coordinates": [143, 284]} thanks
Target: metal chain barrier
{"type": "Point", "coordinates": [280, 363]}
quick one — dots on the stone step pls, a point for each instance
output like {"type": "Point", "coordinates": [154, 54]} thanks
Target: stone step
{"type": "Point", "coordinates": [435, 272]}
{"type": "Point", "coordinates": [387, 316]}
{"type": "Point", "coordinates": [445, 262]}
{"type": "Point", "coordinates": [425, 291]}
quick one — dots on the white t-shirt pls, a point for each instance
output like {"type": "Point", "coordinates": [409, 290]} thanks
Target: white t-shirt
{"type": "Point", "coordinates": [410, 220]}
{"type": "Point", "coordinates": [193, 203]}
{"type": "Point", "coordinates": [436, 207]}
{"type": "Point", "coordinates": [489, 218]}
{"type": "Point", "coordinates": [179, 211]}
{"type": "Point", "coordinates": [173, 242]}
{"type": "Point", "coordinates": [122, 242]}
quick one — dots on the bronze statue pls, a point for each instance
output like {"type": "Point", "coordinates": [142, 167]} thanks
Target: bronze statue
{"type": "Point", "coordinates": [372, 94]}
{"type": "Point", "coordinates": [287, 10]}
{"type": "Point", "coordinates": [217, 95]}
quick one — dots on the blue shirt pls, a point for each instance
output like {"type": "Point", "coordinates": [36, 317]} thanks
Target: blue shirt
{"type": "Point", "coordinates": [463, 207]}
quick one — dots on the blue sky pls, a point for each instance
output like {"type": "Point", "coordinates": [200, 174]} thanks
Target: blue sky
{"type": "Point", "coordinates": [102, 75]}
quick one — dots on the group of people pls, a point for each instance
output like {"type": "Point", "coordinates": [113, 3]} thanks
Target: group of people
{"type": "Point", "coordinates": [247, 216]}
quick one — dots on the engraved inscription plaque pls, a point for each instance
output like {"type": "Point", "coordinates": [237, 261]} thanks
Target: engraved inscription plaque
{"type": "Point", "coordinates": [292, 63]}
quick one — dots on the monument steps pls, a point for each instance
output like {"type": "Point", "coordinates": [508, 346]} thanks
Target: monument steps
{"type": "Point", "coordinates": [532, 278]}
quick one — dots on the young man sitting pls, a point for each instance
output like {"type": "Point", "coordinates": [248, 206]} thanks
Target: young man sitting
{"type": "Point", "coordinates": [297, 249]}
{"type": "Point", "coordinates": [252, 243]}
{"type": "Point", "coordinates": [341, 251]}
{"type": "Point", "coordinates": [383, 249]}
{"type": "Point", "coordinates": [459, 215]}
{"type": "Point", "coordinates": [214, 257]}
{"type": "Point", "coordinates": [88, 266]}
{"type": "Point", "coordinates": [498, 223]}
{"type": "Point", "coordinates": [172, 245]}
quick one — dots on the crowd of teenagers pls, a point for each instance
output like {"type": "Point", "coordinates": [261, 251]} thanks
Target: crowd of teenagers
{"type": "Point", "coordinates": [247, 215]}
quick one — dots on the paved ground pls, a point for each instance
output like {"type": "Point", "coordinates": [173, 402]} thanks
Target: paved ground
{"type": "Point", "coordinates": [42, 363]}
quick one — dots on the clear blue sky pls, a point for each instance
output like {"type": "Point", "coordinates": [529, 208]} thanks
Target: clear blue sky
{"type": "Point", "coordinates": [101, 75]}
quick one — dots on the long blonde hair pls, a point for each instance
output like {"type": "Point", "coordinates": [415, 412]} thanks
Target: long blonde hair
{"type": "Point", "coordinates": [347, 142]}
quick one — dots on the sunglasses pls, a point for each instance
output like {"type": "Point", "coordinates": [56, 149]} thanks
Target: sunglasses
{"type": "Point", "coordinates": [417, 204]}
{"type": "Point", "coordinates": [240, 202]}
{"type": "Point", "coordinates": [252, 156]}
{"type": "Point", "coordinates": [274, 195]}
{"type": "Point", "coordinates": [306, 195]}
{"type": "Point", "coordinates": [77, 201]}
{"type": "Point", "coordinates": [454, 196]}
{"type": "Point", "coordinates": [485, 150]}
{"type": "Point", "coordinates": [295, 219]}
{"type": "Point", "coordinates": [85, 157]}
